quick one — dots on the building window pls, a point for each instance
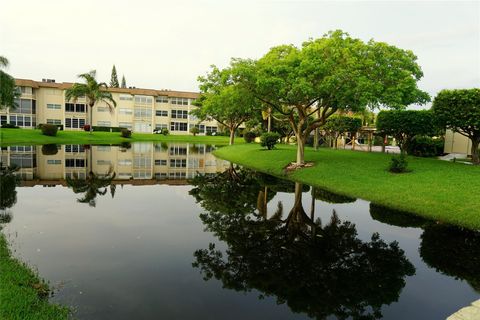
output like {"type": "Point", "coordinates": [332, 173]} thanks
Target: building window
{"type": "Point", "coordinates": [54, 161]}
{"type": "Point", "coordinates": [160, 126]}
{"type": "Point", "coordinates": [103, 109]}
{"type": "Point", "coordinates": [80, 107]}
{"type": "Point", "coordinates": [104, 148]}
{"type": "Point", "coordinates": [177, 175]}
{"type": "Point", "coordinates": [125, 162]}
{"type": "Point", "coordinates": [74, 148]}
{"type": "Point", "coordinates": [126, 97]}
{"type": "Point", "coordinates": [201, 127]}
{"type": "Point", "coordinates": [26, 90]}
{"type": "Point", "coordinates": [125, 111]}
{"type": "Point", "coordinates": [74, 123]}
{"type": "Point", "coordinates": [161, 113]}
{"type": "Point", "coordinates": [75, 163]}
{"type": "Point", "coordinates": [178, 126]}
{"type": "Point", "coordinates": [53, 106]}
{"type": "Point", "coordinates": [22, 121]}
{"type": "Point", "coordinates": [161, 99]}
{"type": "Point", "coordinates": [54, 121]}
{"type": "Point", "coordinates": [179, 114]}
{"type": "Point", "coordinates": [161, 162]}
{"type": "Point", "coordinates": [104, 162]}
{"type": "Point", "coordinates": [178, 163]}
{"type": "Point", "coordinates": [104, 123]}
{"type": "Point", "coordinates": [74, 107]}
{"type": "Point", "coordinates": [127, 125]}
{"type": "Point", "coordinates": [3, 119]}
{"type": "Point", "coordinates": [176, 150]}
{"type": "Point", "coordinates": [143, 99]}
{"type": "Point", "coordinates": [143, 113]}
{"type": "Point", "coordinates": [179, 101]}
{"type": "Point", "coordinates": [25, 106]}
{"type": "Point", "coordinates": [210, 129]}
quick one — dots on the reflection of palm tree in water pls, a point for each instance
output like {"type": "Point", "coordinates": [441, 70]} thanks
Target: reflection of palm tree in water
{"type": "Point", "coordinates": [92, 186]}
{"type": "Point", "coordinates": [8, 194]}
{"type": "Point", "coordinates": [318, 270]}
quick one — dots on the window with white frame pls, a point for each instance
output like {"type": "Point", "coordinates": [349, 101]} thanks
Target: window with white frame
{"type": "Point", "coordinates": [178, 163]}
{"type": "Point", "coordinates": [161, 113]}
{"type": "Point", "coordinates": [143, 113]}
{"type": "Point", "coordinates": [127, 125]}
{"type": "Point", "coordinates": [176, 150]}
{"type": "Point", "coordinates": [54, 161]}
{"type": "Point", "coordinates": [126, 97]}
{"type": "Point", "coordinates": [160, 162]}
{"type": "Point", "coordinates": [161, 99]}
{"type": "Point", "coordinates": [75, 163]}
{"type": "Point", "coordinates": [103, 109]}
{"type": "Point", "coordinates": [104, 162]}
{"type": "Point", "coordinates": [22, 121]}
{"type": "Point", "coordinates": [54, 106]}
{"type": "Point", "coordinates": [160, 126]}
{"type": "Point", "coordinates": [178, 126]}
{"type": "Point", "coordinates": [54, 121]}
{"type": "Point", "coordinates": [124, 162]}
{"type": "Point", "coordinates": [179, 101]}
{"type": "Point", "coordinates": [143, 99]}
{"type": "Point", "coordinates": [126, 111]}
{"type": "Point", "coordinates": [179, 114]}
{"type": "Point", "coordinates": [74, 148]}
{"type": "Point", "coordinates": [74, 123]}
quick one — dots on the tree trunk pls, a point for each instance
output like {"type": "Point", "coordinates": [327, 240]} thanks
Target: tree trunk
{"type": "Point", "coordinates": [315, 139]}
{"type": "Point", "coordinates": [300, 149]}
{"type": "Point", "coordinates": [232, 135]}
{"type": "Point", "coordinates": [91, 116]}
{"type": "Point", "coordinates": [269, 125]}
{"type": "Point", "coordinates": [475, 151]}
{"type": "Point", "coordinates": [384, 138]}
{"type": "Point", "coordinates": [354, 136]}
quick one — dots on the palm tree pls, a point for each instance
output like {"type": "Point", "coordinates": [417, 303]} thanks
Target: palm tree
{"type": "Point", "coordinates": [92, 186]}
{"type": "Point", "coordinates": [8, 92]}
{"type": "Point", "coordinates": [93, 91]}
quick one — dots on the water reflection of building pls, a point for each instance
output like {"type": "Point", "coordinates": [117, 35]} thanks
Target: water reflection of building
{"type": "Point", "coordinates": [140, 163]}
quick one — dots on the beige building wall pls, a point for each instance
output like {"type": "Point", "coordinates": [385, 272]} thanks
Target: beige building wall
{"type": "Point", "coordinates": [457, 143]}
{"type": "Point", "coordinates": [141, 110]}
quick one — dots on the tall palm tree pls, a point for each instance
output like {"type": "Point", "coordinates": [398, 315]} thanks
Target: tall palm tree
{"type": "Point", "coordinates": [8, 92]}
{"type": "Point", "coordinates": [93, 91]}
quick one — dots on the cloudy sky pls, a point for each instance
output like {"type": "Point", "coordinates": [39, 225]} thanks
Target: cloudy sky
{"type": "Point", "coordinates": [167, 44]}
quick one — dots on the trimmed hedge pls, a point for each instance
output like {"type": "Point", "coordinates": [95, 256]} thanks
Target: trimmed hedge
{"type": "Point", "coordinates": [107, 129]}
{"type": "Point", "coordinates": [49, 130]}
{"type": "Point", "coordinates": [10, 126]}
{"type": "Point", "coordinates": [126, 133]}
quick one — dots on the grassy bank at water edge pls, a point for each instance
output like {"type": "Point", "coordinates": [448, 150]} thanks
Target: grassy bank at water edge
{"type": "Point", "coordinates": [23, 295]}
{"type": "Point", "coordinates": [435, 189]}
{"type": "Point", "coordinates": [34, 136]}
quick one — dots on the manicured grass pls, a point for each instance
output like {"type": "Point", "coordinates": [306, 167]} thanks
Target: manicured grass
{"type": "Point", "coordinates": [33, 136]}
{"type": "Point", "coordinates": [23, 295]}
{"type": "Point", "coordinates": [435, 189]}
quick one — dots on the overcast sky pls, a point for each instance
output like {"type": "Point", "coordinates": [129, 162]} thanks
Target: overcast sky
{"type": "Point", "coordinates": [167, 44]}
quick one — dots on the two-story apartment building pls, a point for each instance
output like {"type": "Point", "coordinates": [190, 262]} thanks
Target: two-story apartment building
{"type": "Point", "coordinates": [141, 110]}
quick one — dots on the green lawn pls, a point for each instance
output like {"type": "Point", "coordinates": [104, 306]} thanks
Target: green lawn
{"type": "Point", "coordinates": [33, 136]}
{"type": "Point", "coordinates": [23, 295]}
{"type": "Point", "coordinates": [435, 189]}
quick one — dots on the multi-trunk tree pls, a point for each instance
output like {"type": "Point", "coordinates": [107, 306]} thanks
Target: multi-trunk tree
{"type": "Point", "coordinates": [459, 110]}
{"type": "Point", "coordinates": [333, 73]}
{"type": "Point", "coordinates": [225, 100]}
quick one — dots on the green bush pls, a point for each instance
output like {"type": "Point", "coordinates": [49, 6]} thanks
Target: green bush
{"type": "Point", "coordinates": [165, 131]}
{"type": "Point", "coordinates": [399, 164]}
{"type": "Point", "coordinates": [107, 129]}
{"type": "Point", "coordinates": [194, 131]}
{"type": "Point", "coordinates": [422, 146]}
{"type": "Point", "coordinates": [49, 130]}
{"type": "Point", "coordinates": [10, 126]}
{"type": "Point", "coordinates": [126, 133]}
{"type": "Point", "coordinates": [269, 139]}
{"type": "Point", "coordinates": [49, 149]}
{"type": "Point", "coordinates": [249, 136]}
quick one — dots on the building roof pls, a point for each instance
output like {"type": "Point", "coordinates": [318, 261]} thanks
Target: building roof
{"type": "Point", "coordinates": [132, 91]}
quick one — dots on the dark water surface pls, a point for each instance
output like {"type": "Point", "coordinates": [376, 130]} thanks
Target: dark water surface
{"type": "Point", "coordinates": [122, 234]}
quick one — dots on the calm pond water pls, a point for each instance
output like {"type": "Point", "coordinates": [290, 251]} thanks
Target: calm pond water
{"type": "Point", "coordinates": [157, 231]}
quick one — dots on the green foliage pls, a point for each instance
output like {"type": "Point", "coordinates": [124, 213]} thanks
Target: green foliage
{"type": "Point", "coordinates": [8, 184]}
{"type": "Point", "coordinates": [398, 164]}
{"type": "Point", "coordinates": [114, 78]}
{"type": "Point", "coordinates": [165, 131]}
{"type": "Point", "coordinates": [49, 149]}
{"type": "Point", "coordinates": [459, 110]}
{"type": "Point", "coordinates": [10, 126]}
{"type": "Point", "coordinates": [396, 217]}
{"type": "Point", "coordinates": [249, 136]}
{"type": "Point", "coordinates": [332, 73]}
{"type": "Point", "coordinates": [49, 130]}
{"type": "Point", "coordinates": [106, 129]}
{"type": "Point", "coordinates": [405, 125]}
{"type": "Point", "coordinates": [92, 186]}
{"type": "Point", "coordinates": [124, 83]}
{"type": "Point", "coordinates": [269, 140]}
{"type": "Point", "coordinates": [194, 130]}
{"type": "Point", "coordinates": [224, 100]}
{"type": "Point", "coordinates": [422, 146]}
{"type": "Point", "coordinates": [332, 197]}
{"type": "Point", "coordinates": [126, 133]}
{"type": "Point", "coordinates": [343, 124]}
{"type": "Point", "coordinates": [8, 89]}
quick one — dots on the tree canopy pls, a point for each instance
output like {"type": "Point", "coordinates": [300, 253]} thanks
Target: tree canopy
{"type": "Point", "coordinates": [329, 74]}
{"type": "Point", "coordinates": [459, 110]}
{"type": "Point", "coordinates": [114, 78]}
{"type": "Point", "coordinates": [8, 91]}
{"type": "Point", "coordinates": [224, 100]}
{"type": "Point", "coordinates": [404, 125]}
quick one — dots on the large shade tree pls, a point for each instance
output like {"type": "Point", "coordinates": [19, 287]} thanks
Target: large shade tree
{"type": "Point", "coordinates": [94, 92]}
{"type": "Point", "coordinates": [333, 73]}
{"type": "Point", "coordinates": [459, 110]}
{"type": "Point", "coordinates": [224, 100]}
{"type": "Point", "coordinates": [8, 91]}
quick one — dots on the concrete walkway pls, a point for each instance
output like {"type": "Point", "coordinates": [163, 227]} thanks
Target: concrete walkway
{"type": "Point", "coordinates": [472, 312]}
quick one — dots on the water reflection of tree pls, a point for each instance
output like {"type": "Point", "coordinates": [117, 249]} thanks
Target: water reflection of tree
{"type": "Point", "coordinates": [8, 193]}
{"type": "Point", "coordinates": [92, 186]}
{"type": "Point", "coordinates": [454, 251]}
{"type": "Point", "coordinates": [317, 269]}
